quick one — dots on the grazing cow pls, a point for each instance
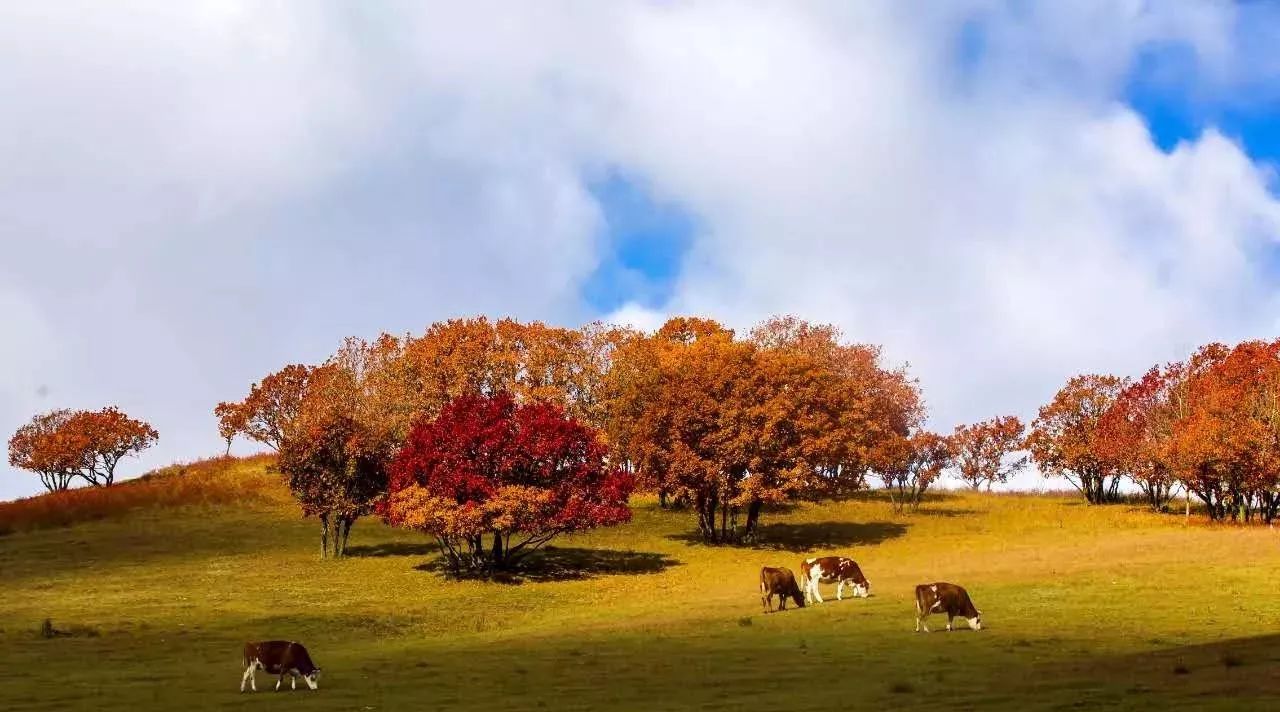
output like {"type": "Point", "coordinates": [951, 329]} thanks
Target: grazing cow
{"type": "Point", "coordinates": [832, 569]}
{"type": "Point", "coordinates": [781, 582]}
{"type": "Point", "coordinates": [948, 599]}
{"type": "Point", "coordinates": [279, 657]}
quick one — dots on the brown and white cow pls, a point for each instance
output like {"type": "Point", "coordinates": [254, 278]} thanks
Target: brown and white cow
{"type": "Point", "coordinates": [839, 570]}
{"type": "Point", "coordinates": [948, 599]}
{"type": "Point", "coordinates": [782, 583]}
{"type": "Point", "coordinates": [279, 657]}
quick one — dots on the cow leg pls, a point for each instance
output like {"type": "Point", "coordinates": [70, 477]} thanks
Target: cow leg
{"type": "Point", "coordinates": [280, 681]}
{"type": "Point", "coordinates": [949, 619]}
{"type": "Point", "coordinates": [817, 594]}
{"type": "Point", "coordinates": [248, 675]}
{"type": "Point", "coordinates": [293, 681]}
{"type": "Point", "coordinates": [840, 590]}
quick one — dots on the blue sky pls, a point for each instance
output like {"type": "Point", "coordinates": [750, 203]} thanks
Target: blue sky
{"type": "Point", "coordinates": [645, 241]}
{"type": "Point", "coordinates": [999, 193]}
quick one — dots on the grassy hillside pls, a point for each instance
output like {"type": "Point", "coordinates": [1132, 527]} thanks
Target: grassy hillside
{"type": "Point", "coordinates": [1083, 607]}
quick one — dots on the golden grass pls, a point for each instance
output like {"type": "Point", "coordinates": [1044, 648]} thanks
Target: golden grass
{"type": "Point", "coordinates": [1096, 606]}
{"type": "Point", "coordinates": [213, 481]}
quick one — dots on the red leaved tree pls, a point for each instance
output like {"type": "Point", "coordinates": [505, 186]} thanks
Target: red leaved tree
{"type": "Point", "coordinates": [985, 451]}
{"type": "Point", "coordinates": [493, 481]}
{"type": "Point", "coordinates": [1136, 434]}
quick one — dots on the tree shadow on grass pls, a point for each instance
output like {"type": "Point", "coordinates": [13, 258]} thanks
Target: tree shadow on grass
{"type": "Point", "coordinates": [797, 538]}
{"type": "Point", "coordinates": [567, 564]}
{"type": "Point", "coordinates": [944, 513]}
{"type": "Point", "coordinates": [393, 548]}
{"type": "Point", "coordinates": [1238, 669]}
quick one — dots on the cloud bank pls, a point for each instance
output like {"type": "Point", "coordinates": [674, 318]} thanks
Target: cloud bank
{"type": "Point", "coordinates": [193, 194]}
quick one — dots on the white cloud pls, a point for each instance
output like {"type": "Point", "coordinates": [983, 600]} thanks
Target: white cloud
{"type": "Point", "coordinates": [195, 194]}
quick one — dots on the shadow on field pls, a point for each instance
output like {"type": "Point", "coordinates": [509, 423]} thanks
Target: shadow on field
{"type": "Point", "coordinates": [1239, 669]}
{"type": "Point", "coordinates": [570, 564]}
{"type": "Point", "coordinates": [944, 513]}
{"type": "Point", "coordinates": [394, 548]}
{"type": "Point", "coordinates": [797, 538]}
{"type": "Point", "coordinates": [825, 535]}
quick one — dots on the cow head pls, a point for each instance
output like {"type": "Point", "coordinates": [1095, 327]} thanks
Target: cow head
{"type": "Point", "coordinates": [312, 679]}
{"type": "Point", "coordinates": [976, 621]}
{"type": "Point", "coordinates": [862, 590]}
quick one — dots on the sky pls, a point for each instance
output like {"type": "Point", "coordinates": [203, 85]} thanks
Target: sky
{"type": "Point", "coordinates": [1001, 194]}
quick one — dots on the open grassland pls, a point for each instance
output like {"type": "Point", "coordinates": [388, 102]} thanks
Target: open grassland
{"type": "Point", "coordinates": [1084, 607]}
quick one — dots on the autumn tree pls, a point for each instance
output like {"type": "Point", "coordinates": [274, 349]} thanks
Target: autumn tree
{"type": "Point", "coordinates": [532, 361]}
{"type": "Point", "coordinates": [730, 425]}
{"type": "Point", "coordinates": [105, 437]}
{"type": "Point", "coordinates": [986, 451]}
{"type": "Point", "coordinates": [493, 480]}
{"type": "Point", "coordinates": [336, 469]}
{"type": "Point", "coordinates": [269, 409]}
{"type": "Point", "coordinates": [65, 444]}
{"type": "Point", "coordinates": [920, 461]}
{"type": "Point", "coordinates": [1136, 434]}
{"type": "Point", "coordinates": [231, 422]}
{"type": "Point", "coordinates": [334, 451]}
{"type": "Point", "coordinates": [39, 447]}
{"type": "Point", "coordinates": [1226, 448]}
{"type": "Point", "coordinates": [1064, 437]}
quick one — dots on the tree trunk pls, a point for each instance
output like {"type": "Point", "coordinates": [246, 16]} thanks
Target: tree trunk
{"type": "Point", "coordinates": [346, 533]}
{"type": "Point", "coordinates": [753, 517]}
{"type": "Point", "coordinates": [324, 536]}
{"type": "Point", "coordinates": [499, 553]}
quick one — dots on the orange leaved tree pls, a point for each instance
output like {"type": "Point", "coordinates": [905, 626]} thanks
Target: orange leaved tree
{"type": "Point", "coordinates": [269, 409]}
{"type": "Point", "coordinates": [1065, 437]}
{"type": "Point", "coordinates": [728, 425]}
{"type": "Point", "coordinates": [65, 444]}
{"type": "Point", "coordinates": [334, 451]}
{"type": "Point", "coordinates": [39, 447]}
{"type": "Point", "coordinates": [985, 452]}
{"type": "Point", "coordinates": [1227, 447]}
{"type": "Point", "coordinates": [920, 460]}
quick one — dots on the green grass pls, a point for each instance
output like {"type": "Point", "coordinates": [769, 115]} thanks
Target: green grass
{"type": "Point", "coordinates": [1084, 607]}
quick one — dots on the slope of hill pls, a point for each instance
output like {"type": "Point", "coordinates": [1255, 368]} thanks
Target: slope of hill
{"type": "Point", "coordinates": [1083, 606]}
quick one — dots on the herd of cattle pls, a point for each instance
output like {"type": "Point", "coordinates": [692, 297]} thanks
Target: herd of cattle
{"type": "Point", "coordinates": [284, 657]}
{"type": "Point", "coordinates": [945, 598]}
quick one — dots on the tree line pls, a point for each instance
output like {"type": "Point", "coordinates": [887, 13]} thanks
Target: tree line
{"type": "Point", "coordinates": [496, 436]}
{"type": "Point", "coordinates": [1208, 426]}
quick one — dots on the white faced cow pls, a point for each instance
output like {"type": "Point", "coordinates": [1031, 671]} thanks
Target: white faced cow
{"type": "Point", "coordinates": [948, 599]}
{"type": "Point", "coordinates": [839, 570]}
{"type": "Point", "coordinates": [279, 657]}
